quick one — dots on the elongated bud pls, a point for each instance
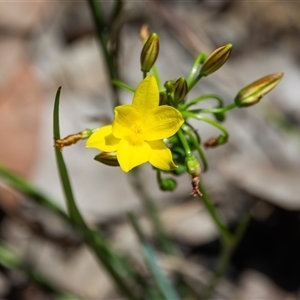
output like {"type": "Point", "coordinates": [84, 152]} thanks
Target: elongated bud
{"type": "Point", "coordinates": [180, 89]}
{"type": "Point", "coordinates": [216, 60]}
{"type": "Point", "coordinates": [72, 139]}
{"type": "Point", "coordinates": [252, 93]}
{"type": "Point", "coordinates": [192, 164]}
{"type": "Point", "coordinates": [149, 52]}
{"type": "Point", "coordinates": [108, 158]}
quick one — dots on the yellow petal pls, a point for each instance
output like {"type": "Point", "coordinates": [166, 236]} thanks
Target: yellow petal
{"type": "Point", "coordinates": [130, 156]}
{"type": "Point", "coordinates": [126, 117]}
{"type": "Point", "coordinates": [163, 122]}
{"type": "Point", "coordinates": [103, 139]}
{"type": "Point", "coordinates": [146, 96]}
{"type": "Point", "coordinates": [161, 156]}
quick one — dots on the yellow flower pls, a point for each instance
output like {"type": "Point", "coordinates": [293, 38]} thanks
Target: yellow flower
{"type": "Point", "coordinates": [138, 130]}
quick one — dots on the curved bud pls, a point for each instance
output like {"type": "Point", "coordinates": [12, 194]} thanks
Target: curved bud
{"type": "Point", "coordinates": [180, 89]}
{"type": "Point", "coordinates": [149, 52]}
{"type": "Point", "coordinates": [215, 60]}
{"type": "Point", "coordinates": [252, 93]}
{"type": "Point", "coordinates": [193, 166]}
{"type": "Point", "coordinates": [220, 116]}
{"type": "Point", "coordinates": [168, 184]}
{"type": "Point", "coordinates": [108, 158]}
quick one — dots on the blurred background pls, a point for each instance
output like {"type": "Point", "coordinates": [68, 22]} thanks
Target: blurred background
{"type": "Point", "coordinates": [47, 44]}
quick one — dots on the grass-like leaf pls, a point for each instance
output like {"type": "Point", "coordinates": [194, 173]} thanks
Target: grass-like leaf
{"type": "Point", "coordinates": [10, 261]}
{"type": "Point", "coordinates": [28, 189]}
{"type": "Point", "coordinates": [73, 211]}
{"type": "Point", "coordinates": [162, 281]}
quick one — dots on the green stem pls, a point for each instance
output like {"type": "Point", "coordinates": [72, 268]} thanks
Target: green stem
{"type": "Point", "coordinates": [223, 138]}
{"type": "Point", "coordinates": [25, 187]}
{"type": "Point", "coordinates": [199, 149]}
{"type": "Point", "coordinates": [10, 261]}
{"type": "Point", "coordinates": [192, 84]}
{"type": "Point", "coordinates": [162, 281]}
{"type": "Point", "coordinates": [152, 211]}
{"type": "Point", "coordinates": [157, 77]}
{"type": "Point", "coordinates": [225, 234]}
{"type": "Point", "coordinates": [202, 98]}
{"type": "Point", "coordinates": [225, 255]}
{"type": "Point", "coordinates": [184, 142]}
{"type": "Point", "coordinates": [199, 60]}
{"type": "Point", "coordinates": [122, 85]}
{"type": "Point", "coordinates": [102, 28]}
{"type": "Point", "coordinates": [214, 109]}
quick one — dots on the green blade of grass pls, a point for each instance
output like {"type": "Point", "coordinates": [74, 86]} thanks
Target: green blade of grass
{"type": "Point", "coordinates": [163, 283]}
{"type": "Point", "coordinates": [10, 261]}
{"type": "Point", "coordinates": [73, 211]}
{"type": "Point", "coordinates": [29, 190]}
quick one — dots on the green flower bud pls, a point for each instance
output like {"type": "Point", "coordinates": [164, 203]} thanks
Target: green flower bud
{"type": "Point", "coordinates": [108, 158]}
{"type": "Point", "coordinates": [169, 85]}
{"type": "Point", "coordinates": [252, 93]}
{"type": "Point", "coordinates": [215, 60]}
{"type": "Point", "coordinates": [168, 184]}
{"type": "Point", "coordinates": [220, 116]}
{"type": "Point", "coordinates": [180, 89]}
{"type": "Point", "coordinates": [181, 168]}
{"type": "Point", "coordinates": [193, 166]}
{"type": "Point", "coordinates": [149, 52]}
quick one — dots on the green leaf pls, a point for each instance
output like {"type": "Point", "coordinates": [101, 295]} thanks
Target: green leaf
{"type": "Point", "coordinates": [164, 284]}
{"type": "Point", "coordinates": [28, 189]}
{"type": "Point", "coordinates": [73, 211]}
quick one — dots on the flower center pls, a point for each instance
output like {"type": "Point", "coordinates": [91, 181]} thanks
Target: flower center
{"type": "Point", "coordinates": [136, 136]}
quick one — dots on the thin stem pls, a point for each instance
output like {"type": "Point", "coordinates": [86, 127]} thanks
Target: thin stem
{"type": "Point", "coordinates": [184, 142]}
{"type": "Point", "coordinates": [152, 211]}
{"type": "Point", "coordinates": [192, 84]}
{"type": "Point", "coordinates": [122, 85]}
{"type": "Point", "coordinates": [203, 98]}
{"type": "Point", "coordinates": [103, 37]}
{"type": "Point", "coordinates": [162, 281]}
{"type": "Point", "coordinates": [214, 109]}
{"type": "Point", "coordinates": [10, 261]}
{"type": "Point", "coordinates": [225, 234]}
{"type": "Point", "coordinates": [199, 149]}
{"type": "Point", "coordinates": [157, 77]}
{"type": "Point", "coordinates": [187, 114]}
{"type": "Point", "coordinates": [199, 60]}
{"type": "Point", "coordinates": [225, 255]}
